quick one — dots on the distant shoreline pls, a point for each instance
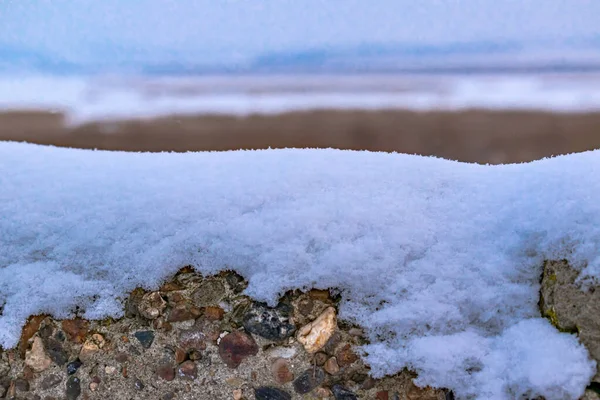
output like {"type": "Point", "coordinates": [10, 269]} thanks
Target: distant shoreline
{"type": "Point", "coordinates": [482, 136]}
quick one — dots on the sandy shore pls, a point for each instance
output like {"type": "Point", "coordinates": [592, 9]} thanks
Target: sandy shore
{"type": "Point", "coordinates": [475, 136]}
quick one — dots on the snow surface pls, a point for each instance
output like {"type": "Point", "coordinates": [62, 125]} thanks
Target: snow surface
{"type": "Point", "coordinates": [439, 260]}
{"type": "Point", "coordinates": [89, 99]}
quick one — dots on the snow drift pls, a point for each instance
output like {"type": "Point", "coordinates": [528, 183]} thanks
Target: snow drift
{"type": "Point", "coordinates": [439, 260]}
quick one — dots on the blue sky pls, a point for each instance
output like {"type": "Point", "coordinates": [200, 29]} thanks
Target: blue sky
{"type": "Point", "coordinates": [217, 30]}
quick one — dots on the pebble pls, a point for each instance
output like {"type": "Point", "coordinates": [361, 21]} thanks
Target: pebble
{"type": "Point", "coordinates": [91, 347]}
{"type": "Point", "coordinates": [27, 373]}
{"type": "Point", "coordinates": [382, 395]}
{"type": "Point", "coordinates": [315, 335]}
{"type": "Point", "coordinates": [345, 356]}
{"type": "Point", "coordinates": [192, 339]}
{"type": "Point", "coordinates": [36, 358]}
{"type": "Point", "coordinates": [320, 358]}
{"type": "Point", "coordinates": [121, 358]}
{"type": "Point", "coordinates": [238, 394]}
{"type": "Point", "coordinates": [309, 380]}
{"type": "Point", "coordinates": [56, 352]}
{"type": "Point", "coordinates": [184, 313]}
{"type": "Point", "coordinates": [138, 385]}
{"type": "Point", "coordinates": [368, 384]}
{"type": "Point", "coordinates": [168, 396]}
{"type": "Point", "coordinates": [30, 328]}
{"type": "Point", "coordinates": [94, 386]}
{"type": "Point", "coordinates": [271, 393]}
{"type": "Point", "coordinates": [73, 388]}
{"type": "Point", "coordinates": [281, 371]}
{"type": "Point", "coordinates": [73, 366]}
{"type": "Point", "coordinates": [331, 366]}
{"type": "Point", "coordinates": [305, 306]}
{"type": "Point", "coordinates": [213, 313]}
{"type": "Point", "coordinates": [272, 323]}
{"type": "Point", "coordinates": [152, 305]}
{"type": "Point", "coordinates": [235, 281]}
{"type": "Point", "coordinates": [76, 329]}
{"type": "Point", "coordinates": [145, 338]}
{"type": "Point", "coordinates": [166, 372]}
{"type": "Point", "coordinates": [109, 369]}
{"type": "Point", "coordinates": [320, 295]}
{"type": "Point", "coordinates": [323, 393]}
{"type": "Point", "coordinates": [180, 355]}
{"type": "Point", "coordinates": [332, 343]}
{"type": "Point", "coordinates": [341, 393]}
{"type": "Point", "coordinates": [209, 293]}
{"type": "Point", "coordinates": [50, 381]}
{"type": "Point", "coordinates": [235, 347]}
{"type": "Point", "coordinates": [22, 385]}
{"type": "Point", "coordinates": [188, 370]}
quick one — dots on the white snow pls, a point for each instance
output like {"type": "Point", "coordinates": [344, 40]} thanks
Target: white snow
{"type": "Point", "coordinates": [440, 261]}
{"type": "Point", "coordinates": [113, 98]}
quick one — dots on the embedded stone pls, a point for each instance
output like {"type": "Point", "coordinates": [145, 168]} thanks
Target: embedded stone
{"type": "Point", "coordinates": [271, 393]}
{"type": "Point", "coordinates": [235, 347]}
{"type": "Point", "coordinates": [36, 358]}
{"type": "Point", "coordinates": [342, 393]}
{"type": "Point", "coordinates": [73, 388]}
{"type": "Point", "coordinates": [151, 305]}
{"type": "Point", "coordinates": [315, 335]}
{"type": "Point", "coordinates": [50, 381]}
{"type": "Point", "coordinates": [209, 293]}
{"type": "Point", "coordinates": [309, 380]}
{"type": "Point", "coordinates": [213, 313]}
{"type": "Point", "coordinates": [331, 366]}
{"type": "Point", "coordinates": [146, 338]}
{"type": "Point", "coordinates": [76, 329]}
{"type": "Point", "coordinates": [166, 371]}
{"type": "Point", "coordinates": [73, 366]}
{"type": "Point", "coordinates": [272, 323]}
{"type": "Point", "coordinates": [281, 371]}
{"type": "Point", "coordinates": [345, 356]}
{"type": "Point", "coordinates": [56, 352]}
{"type": "Point", "coordinates": [188, 370]}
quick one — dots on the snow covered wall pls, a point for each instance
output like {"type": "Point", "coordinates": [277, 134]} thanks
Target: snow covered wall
{"type": "Point", "coordinates": [439, 260]}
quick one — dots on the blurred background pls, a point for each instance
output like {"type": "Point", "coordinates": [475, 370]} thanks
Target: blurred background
{"type": "Point", "coordinates": [482, 81]}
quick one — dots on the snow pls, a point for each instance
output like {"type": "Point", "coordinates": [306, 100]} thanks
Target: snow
{"type": "Point", "coordinates": [440, 261]}
{"type": "Point", "coordinates": [113, 98]}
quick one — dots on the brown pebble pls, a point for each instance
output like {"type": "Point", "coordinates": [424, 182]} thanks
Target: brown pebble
{"type": "Point", "coordinates": [192, 339]}
{"type": "Point", "coordinates": [332, 343]}
{"type": "Point", "coordinates": [345, 356]}
{"type": "Point", "coordinates": [237, 394]}
{"type": "Point", "coordinates": [305, 306]}
{"type": "Point", "coordinates": [28, 373]}
{"type": "Point", "coordinates": [321, 295]}
{"type": "Point", "coordinates": [124, 371]}
{"type": "Point", "coordinates": [188, 370]}
{"type": "Point", "coordinates": [331, 366]}
{"type": "Point", "coordinates": [323, 393]}
{"type": "Point", "coordinates": [76, 329]}
{"type": "Point", "coordinates": [122, 357]}
{"type": "Point", "coordinates": [281, 371]}
{"type": "Point", "coordinates": [320, 359]}
{"type": "Point", "coordinates": [152, 305]}
{"type": "Point", "coordinates": [170, 287]}
{"type": "Point", "coordinates": [124, 339]}
{"type": "Point", "coordinates": [183, 313]}
{"type": "Point", "coordinates": [94, 386]}
{"type": "Point", "coordinates": [30, 328]}
{"type": "Point", "coordinates": [166, 372]}
{"type": "Point", "coordinates": [213, 313]}
{"type": "Point", "coordinates": [180, 355]}
{"type": "Point", "coordinates": [235, 347]}
{"type": "Point", "coordinates": [368, 384]}
{"type": "Point", "coordinates": [194, 355]}
{"type": "Point", "coordinates": [382, 395]}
